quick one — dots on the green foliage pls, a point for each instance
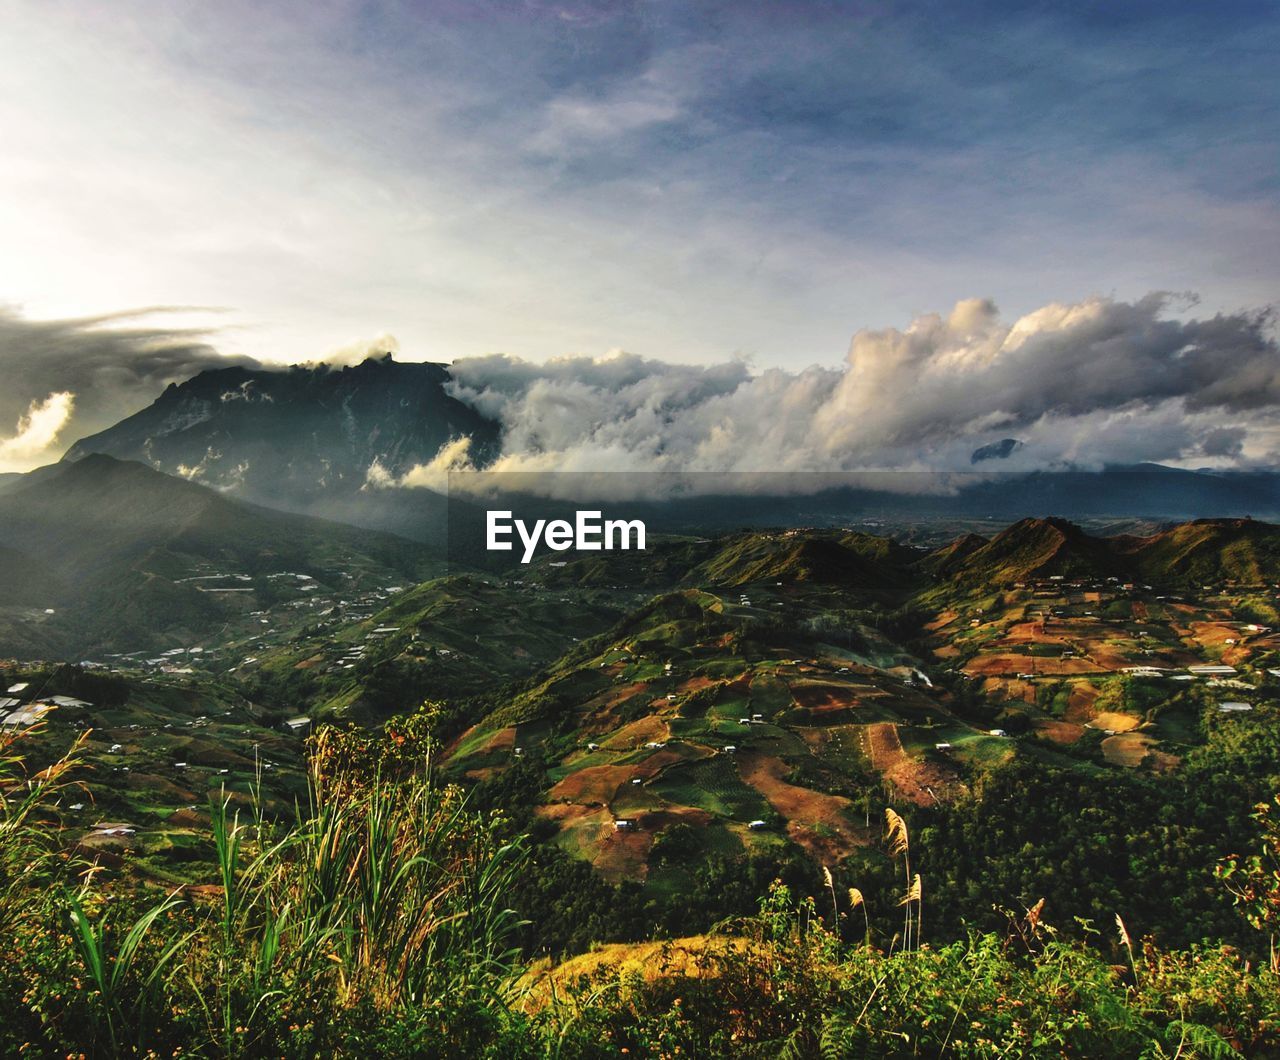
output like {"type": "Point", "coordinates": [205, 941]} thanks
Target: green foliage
{"type": "Point", "coordinates": [1254, 879]}
{"type": "Point", "coordinates": [379, 924]}
{"type": "Point", "coordinates": [792, 989]}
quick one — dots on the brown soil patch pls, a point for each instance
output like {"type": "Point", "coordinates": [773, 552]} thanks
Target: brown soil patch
{"type": "Point", "coordinates": [884, 746]}
{"type": "Point", "coordinates": [1117, 722]}
{"type": "Point", "coordinates": [1112, 658]}
{"type": "Point", "coordinates": [600, 785]}
{"type": "Point", "coordinates": [502, 740]}
{"type": "Point", "coordinates": [593, 786]}
{"type": "Point", "coordinates": [1032, 633]}
{"type": "Point", "coordinates": [1213, 634]}
{"type": "Point", "coordinates": [1003, 665]}
{"type": "Point", "coordinates": [188, 818]}
{"type": "Point", "coordinates": [1080, 701]}
{"type": "Point", "coordinates": [918, 780]}
{"type": "Point", "coordinates": [1066, 667]}
{"type": "Point", "coordinates": [995, 665]}
{"type": "Point", "coordinates": [1059, 732]}
{"type": "Point", "coordinates": [815, 821]}
{"type": "Point", "coordinates": [623, 855]}
{"type": "Point", "coordinates": [1133, 749]}
{"type": "Point", "coordinates": [639, 732]}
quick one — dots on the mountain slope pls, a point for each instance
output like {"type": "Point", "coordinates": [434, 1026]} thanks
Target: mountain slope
{"type": "Point", "coordinates": [125, 552]}
{"type": "Point", "coordinates": [872, 565]}
{"type": "Point", "coordinates": [1238, 551]}
{"type": "Point", "coordinates": [1032, 548]}
{"type": "Point", "coordinates": [1242, 551]}
{"type": "Point", "coordinates": [302, 438]}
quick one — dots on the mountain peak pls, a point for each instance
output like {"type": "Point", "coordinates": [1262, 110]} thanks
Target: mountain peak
{"type": "Point", "coordinates": [302, 437]}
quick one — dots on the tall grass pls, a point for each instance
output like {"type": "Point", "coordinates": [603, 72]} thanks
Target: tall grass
{"type": "Point", "coordinates": [383, 902]}
{"type": "Point", "coordinates": [30, 850]}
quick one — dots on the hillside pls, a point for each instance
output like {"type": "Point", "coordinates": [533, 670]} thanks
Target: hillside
{"type": "Point", "coordinates": [1242, 551]}
{"type": "Point", "coordinates": [129, 557]}
{"type": "Point", "coordinates": [1237, 551]}
{"type": "Point", "coordinates": [870, 565]}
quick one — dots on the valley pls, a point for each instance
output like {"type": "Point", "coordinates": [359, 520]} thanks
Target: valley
{"type": "Point", "coordinates": [756, 698]}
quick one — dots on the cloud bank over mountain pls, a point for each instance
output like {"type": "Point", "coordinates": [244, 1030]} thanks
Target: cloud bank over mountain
{"type": "Point", "coordinates": [1086, 384]}
{"type": "Point", "coordinates": [1095, 382]}
{"type": "Point", "coordinates": [67, 378]}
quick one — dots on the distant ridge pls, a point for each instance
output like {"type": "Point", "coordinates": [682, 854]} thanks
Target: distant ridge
{"type": "Point", "coordinates": [1241, 551]}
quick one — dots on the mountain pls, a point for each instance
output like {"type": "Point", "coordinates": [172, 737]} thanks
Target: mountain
{"type": "Point", "coordinates": [1240, 551]}
{"type": "Point", "coordinates": [1032, 548]}
{"type": "Point", "coordinates": [950, 559]}
{"type": "Point", "coordinates": [119, 555]}
{"type": "Point", "coordinates": [874, 565]}
{"type": "Point", "coordinates": [1236, 551]}
{"type": "Point", "coordinates": [304, 438]}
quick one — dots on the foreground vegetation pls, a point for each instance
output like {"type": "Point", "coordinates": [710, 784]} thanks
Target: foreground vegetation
{"type": "Point", "coordinates": [379, 923]}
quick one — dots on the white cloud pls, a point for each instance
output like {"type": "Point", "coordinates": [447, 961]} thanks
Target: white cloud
{"type": "Point", "coordinates": [37, 431]}
{"type": "Point", "coordinates": [1087, 383]}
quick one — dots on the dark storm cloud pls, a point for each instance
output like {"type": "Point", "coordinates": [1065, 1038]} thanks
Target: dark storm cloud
{"type": "Point", "coordinates": [110, 365]}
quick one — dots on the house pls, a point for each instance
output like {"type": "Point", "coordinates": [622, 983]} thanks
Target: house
{"type": "Point", "coordinates": [623, 824]}
{"type": "Point", "coordinates": [756, 825]}
{"type": "Point", "coordinates": [997, 732]}
{"type": "Point", "coordinates": [729, 749]}
{"type": "Point", "coordinates": [299, 726]}
{"type": "Point", "coordinates": [593, 747]}
{"type": "Point", "coordinates": [1234, 708]}
{"type": "Point", "coordinates": [942, 747]}
{"type": "Point", "coordinates": [21, 686]}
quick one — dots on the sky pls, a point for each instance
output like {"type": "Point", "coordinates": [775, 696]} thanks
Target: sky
{"type": "Point", "coordinates": [692, 183]}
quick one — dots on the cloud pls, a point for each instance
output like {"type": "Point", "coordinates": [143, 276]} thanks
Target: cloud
{"type": "Point", "coordinates": [1099, 381]}
{"type": "Point", "coordinates": [453, 456]}
{"type": "Point", "coordinates": [359, 351]}
{"type": "Point", "coordinates": [113, 365]}
{"type": "Point", "coordinates": [37, 429]}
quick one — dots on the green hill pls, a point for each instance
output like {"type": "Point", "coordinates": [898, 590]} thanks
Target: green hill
{"type": "Point", "coordinates": [126, 557]}
{"type": "Point", "coordinates": [1240, 551]}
